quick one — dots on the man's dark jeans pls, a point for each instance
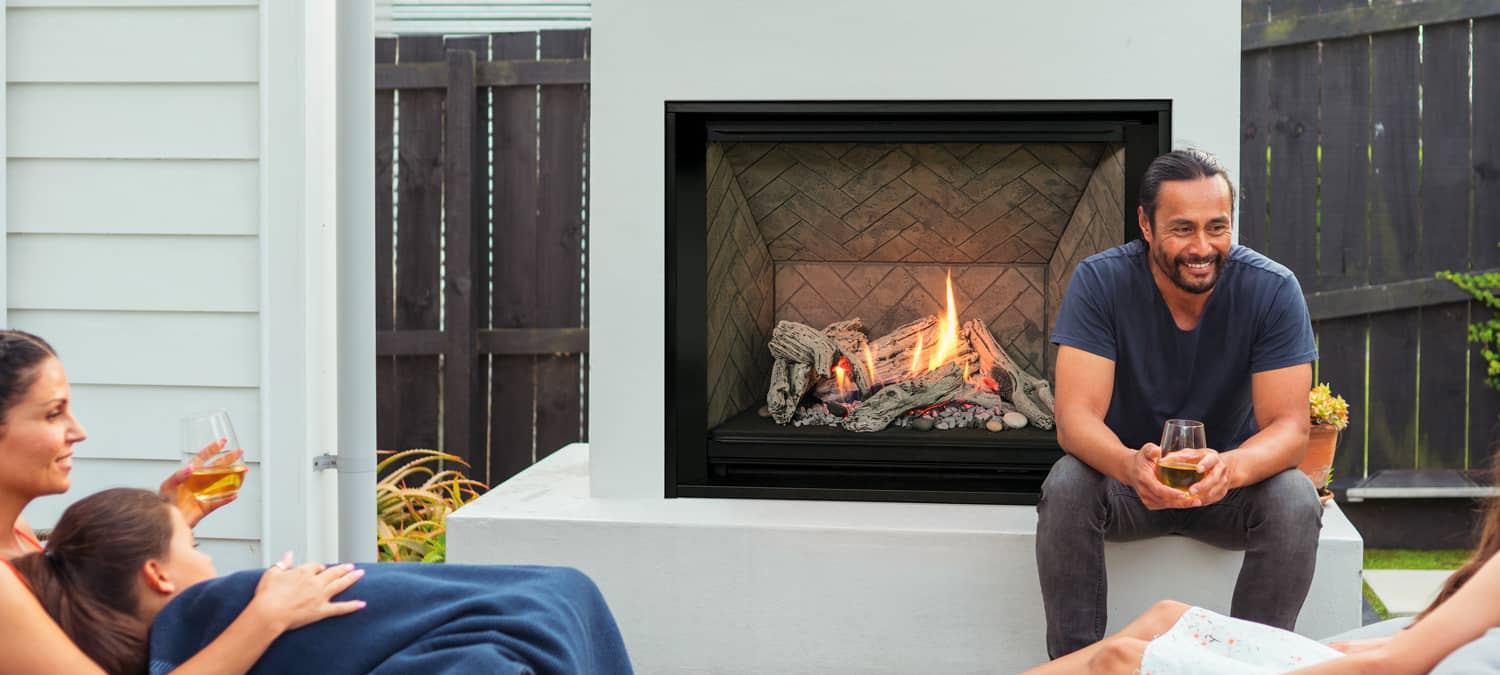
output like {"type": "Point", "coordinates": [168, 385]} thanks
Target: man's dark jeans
{"type": "Point", "coordinates": [1275, 522]}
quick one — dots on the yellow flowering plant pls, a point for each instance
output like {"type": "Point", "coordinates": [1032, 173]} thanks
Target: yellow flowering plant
{"type": "Point", "coordinates": [1328, 408]}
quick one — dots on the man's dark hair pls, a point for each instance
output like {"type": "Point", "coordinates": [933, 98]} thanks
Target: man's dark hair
{"type": "Point", "coordinates": [1189, 164]}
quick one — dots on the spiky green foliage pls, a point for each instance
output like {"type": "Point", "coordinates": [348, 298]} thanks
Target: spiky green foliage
{"type": "Point", "coordinates": [413, 502]}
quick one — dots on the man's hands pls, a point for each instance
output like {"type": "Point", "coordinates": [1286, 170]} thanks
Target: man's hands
{"type": "Point", "coordinates": [1215, 481]}
{"type": "Point", "coordinates": [1208, 490]}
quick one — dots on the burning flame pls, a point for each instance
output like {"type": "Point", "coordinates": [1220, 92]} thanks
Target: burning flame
{"type": "Point", "coordinates": [841, 374]}
{"type": "Point", "coordinates": [916, 356]}
{"type": "Point", "coordinates": [869, 364]}
{"type": "Point", "coordinates": [948, 338]}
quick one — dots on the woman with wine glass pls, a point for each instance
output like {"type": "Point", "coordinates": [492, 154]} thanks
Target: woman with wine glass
{"type": "Point", "coordinates": [37, 435]}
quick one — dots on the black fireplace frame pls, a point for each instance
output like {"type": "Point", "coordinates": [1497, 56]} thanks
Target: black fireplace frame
{"type": "Point", "coordinates": [743, 458]}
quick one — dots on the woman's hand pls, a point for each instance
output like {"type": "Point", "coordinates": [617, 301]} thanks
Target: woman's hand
{"type": "Point", "coordinates": [292, 597]}
{"type": "Point", "coordinates": [173, 489]}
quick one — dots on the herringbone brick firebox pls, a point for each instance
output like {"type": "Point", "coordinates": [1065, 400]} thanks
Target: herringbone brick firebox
{"type": "Point", "coordinates": [822, 213]}
{"type": "Point", "coordinates": [823, 232]}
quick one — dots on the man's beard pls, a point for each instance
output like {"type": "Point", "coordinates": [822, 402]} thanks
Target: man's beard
{"type": "Point", "coordinates": [1174, 271]}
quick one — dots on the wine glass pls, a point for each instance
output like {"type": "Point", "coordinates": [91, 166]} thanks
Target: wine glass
{"type": "Point", "coordinates": [216, 475]}
{"type": "Point", "coordinates": [1182, 442]}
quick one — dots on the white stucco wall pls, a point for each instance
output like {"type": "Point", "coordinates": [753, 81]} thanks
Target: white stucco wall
{"type": "Point", "coordinates": [647, 52]}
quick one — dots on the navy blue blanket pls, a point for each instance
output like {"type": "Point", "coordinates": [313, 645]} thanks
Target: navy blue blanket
{"type": "Point", "coordinates": [420, 619]}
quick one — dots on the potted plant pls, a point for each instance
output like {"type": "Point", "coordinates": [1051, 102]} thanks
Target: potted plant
{"type": "Point", "coordinates": [1329, 415]}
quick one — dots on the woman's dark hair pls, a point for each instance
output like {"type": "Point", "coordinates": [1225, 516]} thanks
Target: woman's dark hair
{"type": "Point", "coordinates": [86, 578]}
{"type": "Point", "coordinates": [20, 353]}
{"type": "Point", "coordinates": [1189, 164]}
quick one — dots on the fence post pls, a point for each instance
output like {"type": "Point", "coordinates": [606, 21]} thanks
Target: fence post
{"type": "Point", "coordinates": [461, 412]}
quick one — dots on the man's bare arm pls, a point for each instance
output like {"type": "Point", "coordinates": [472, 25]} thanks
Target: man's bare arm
{"type": "Point", "coordinates": [1281, 411]}
{"type": "Point", "coordinates": [1085, 383]}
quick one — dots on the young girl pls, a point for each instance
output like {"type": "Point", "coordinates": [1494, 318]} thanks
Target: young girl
{"type": "Point", "coordinates": [37, 433]}
{"type": "Point", "coordinates": [116, 558]}
{"type": "Point", "coordinates": [120, 574]}
{"type": "Point", "coordinates": [1174, 638]}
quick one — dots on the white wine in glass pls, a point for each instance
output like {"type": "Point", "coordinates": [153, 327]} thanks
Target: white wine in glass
{"type": "Point", "coordinates": [1181, 444]}
{"type": "Point", "coordinates": [216, 476]}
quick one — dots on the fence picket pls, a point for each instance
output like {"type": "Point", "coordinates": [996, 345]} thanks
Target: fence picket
{"type": "Point", "coordinates": [1393, 241]}
{"type": "Point", "coordinates": [513, 305]}
{"type": "Point", "coordinates": [564, 128]}
{"type": "Point", "coordinates": [464, 194]}
{"type": "Point", "coordinates": [1292, 223]}
{"type": "Point", "coordinates": [1441, 417]}
{"type": "Point", "coordinates": [388, 413]}
{"type": "Point", "coordinates": [1484, 401]}
{"type": "Point", "coordinates": [1255, 78]}
{"type": "Point", "coordinates": [418, 244]}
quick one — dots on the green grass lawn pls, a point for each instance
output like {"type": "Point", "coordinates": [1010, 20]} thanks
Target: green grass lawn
{"type": "Point", "coordinates": [1408, 559]}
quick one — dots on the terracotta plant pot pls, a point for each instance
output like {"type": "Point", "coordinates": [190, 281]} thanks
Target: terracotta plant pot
{"type": "Point", "coordinates": [1322, 439]}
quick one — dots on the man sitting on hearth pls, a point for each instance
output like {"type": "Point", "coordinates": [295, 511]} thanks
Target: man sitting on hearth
{"type": "Point", "coordinates": [1180, 324]}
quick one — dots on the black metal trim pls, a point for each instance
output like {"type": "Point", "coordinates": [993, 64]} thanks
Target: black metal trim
{"type": "Point", "coordinates": [670, 316]}
{"type": "Point", "coordinates": [692, 470]}
{"type": "Point", "coordinates": [947, 108]}
{"type": "Point", "coordinates": [1141, 143]}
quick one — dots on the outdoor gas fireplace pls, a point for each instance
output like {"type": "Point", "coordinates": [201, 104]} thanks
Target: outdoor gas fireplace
{"type": "Point", "coordinates": [859, 294]}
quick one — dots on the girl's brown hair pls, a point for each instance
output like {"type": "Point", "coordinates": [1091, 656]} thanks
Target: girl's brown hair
{"type": "Point", "coordinates": [1489, 543]}
{"type": "Point", "coordinates": [87, 576]}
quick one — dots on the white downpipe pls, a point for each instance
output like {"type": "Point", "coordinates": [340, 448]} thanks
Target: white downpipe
{"type": "Point", "coordinates": [354, 74]}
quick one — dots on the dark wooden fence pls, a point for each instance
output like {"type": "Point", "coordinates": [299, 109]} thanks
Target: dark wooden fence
{"type": "Point", "coordinates": [1370, 159]}
{"type": "Point", "coordinates": [481, 220]}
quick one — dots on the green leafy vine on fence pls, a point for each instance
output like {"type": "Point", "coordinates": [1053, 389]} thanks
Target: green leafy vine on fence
{"type": "Point", "coordinates": [1485, 333]}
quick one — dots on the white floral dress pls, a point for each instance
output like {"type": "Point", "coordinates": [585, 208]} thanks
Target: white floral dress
{"type": "Point", "coordinates": [1214, 644]}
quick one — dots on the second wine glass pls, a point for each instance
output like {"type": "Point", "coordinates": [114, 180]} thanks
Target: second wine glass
{"type": "Point", "coordinates": [1182, 444]}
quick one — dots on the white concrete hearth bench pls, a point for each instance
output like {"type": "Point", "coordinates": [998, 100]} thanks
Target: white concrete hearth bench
{"type": "Point", "coordinates": [760, 586]}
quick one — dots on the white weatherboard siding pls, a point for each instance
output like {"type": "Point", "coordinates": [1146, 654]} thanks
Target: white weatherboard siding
{"type": "Point", "coordinates": [155, 225]}
{"type": "Point", "coordinates": [143, 420]}
{"type": "Point", "coordinates": [104, 45]}
{"type": "Point", "coordinates": [4, 172]}
{"type": "Point", "coordinates": [188, 121]}
{"type": "Point", "coordinates": [126, 196]}
{"type": "Point", "coordinates": [205, 273]}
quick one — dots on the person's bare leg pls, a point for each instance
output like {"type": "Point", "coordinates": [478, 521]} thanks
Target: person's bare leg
{"type": "Point", "coordinates": [1120, 647]}
{"type": "Point", "coordinates": [1118, 656]}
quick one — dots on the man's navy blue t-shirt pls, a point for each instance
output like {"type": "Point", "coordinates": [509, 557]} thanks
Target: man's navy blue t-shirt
{"type": "Point", "coordinates": [1255, 320]}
